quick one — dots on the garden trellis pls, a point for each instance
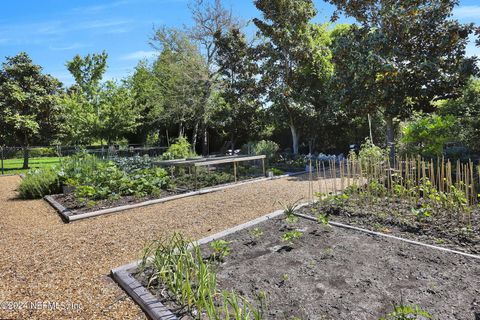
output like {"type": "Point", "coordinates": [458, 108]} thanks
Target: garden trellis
{"type": "Point", "coordinates": [209, 163]}
{"type": "Point", "coordinates": [428, 183]}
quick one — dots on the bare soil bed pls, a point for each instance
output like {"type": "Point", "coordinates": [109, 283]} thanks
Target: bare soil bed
{"type": "Point", "coordinates": [394, 216]}
{"type": "Point", "coordinates": [334, 273]}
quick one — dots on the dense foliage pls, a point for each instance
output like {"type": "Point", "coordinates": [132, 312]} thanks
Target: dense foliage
{"type": "Point", "coordinates": [306, 85]}
{"type": "Point", "coordinates": [39, 183]}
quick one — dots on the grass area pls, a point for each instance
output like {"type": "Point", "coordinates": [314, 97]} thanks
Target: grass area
{"type": "Point", "coordinates": [14, 166]}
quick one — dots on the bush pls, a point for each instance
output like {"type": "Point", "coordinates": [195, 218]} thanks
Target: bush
{"type": "Point", "coordinates": [426, 135]}
{"type": "Point", "coordinates": [370, 155]}
{"type": "Point", "coordinates": [267, 148]}
{"type": "Point", "coordinates": [179, 150]}
{"type": "Point", "coordinates": [277, 172]}
{"type": "Point", "coordinates": [38, 152]}
{"type": "Point", "coordinates": [40, 183]}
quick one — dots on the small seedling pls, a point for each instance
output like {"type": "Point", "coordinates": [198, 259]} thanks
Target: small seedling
{"type": "Point", "coordinates": [407, 312]}
{"type": "Point", "coordinates": [422, 213]}
{"type": "Point", "coordinates": [256, 232]}
{"type": "Point", "coordinates": [323, 219]}
{"type": "Point", "coordinates": [285, 277]}
{"type": "Point", "coordinates": [221, 247]}
{"type": "Point", "coordinates": [291, 236]}
{"type": "Point", "coordinates": [289, 211]}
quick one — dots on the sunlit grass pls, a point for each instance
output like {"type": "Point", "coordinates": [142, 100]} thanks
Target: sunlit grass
{"type": "Point", "coordinates": [14, 166]}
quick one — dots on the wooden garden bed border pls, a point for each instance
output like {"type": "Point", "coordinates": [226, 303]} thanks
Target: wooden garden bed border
{"type": "Point", "coordinates": [70, 216]}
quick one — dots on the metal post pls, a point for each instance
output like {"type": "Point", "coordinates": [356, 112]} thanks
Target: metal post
{"type": "Point", "coordinates": [263, 166]}
{"type": "Point", "coordinates": [3, 170]}
{"type": "Point", "coordinates": [235, 170]}
{"type": "Point", "coordinates": [195, 173]}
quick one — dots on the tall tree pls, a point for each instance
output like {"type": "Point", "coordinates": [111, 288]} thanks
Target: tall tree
{"type": "Point", "coordinates": [148, 100]}
{"type": "Point", "coordinates": [401, 56]}
{"type": "Point", "coordinates": [182, 77]}
{"type": "Point", "coordinates": [293, 59]}
{"type": "Point", "coordinates": [88, 71]}
{"type": "Point", "coordinates": [28, 111]}
{"type": "Point", "coordinates": [210, 18]}
{"type": "Point", "coordinates": [241, 115]}
{"type": "Point", "coordinates": [466, 112]}
{"type": "Point", "coordinates": [79, 119]}
{"type": "Point", "coordinates": [118, 117]}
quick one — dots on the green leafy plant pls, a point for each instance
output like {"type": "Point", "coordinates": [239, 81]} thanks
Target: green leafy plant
{"type": "Point", "coordinates": [422, 213]}
{"type": "Point", "coordinates": [407, 312]}
{"type": "Point", "coordinates": [427, 134]}
{"type": "Point", "coordinates": [221, 248]}
{"type": "Point", "coordinates": [277, 172]}
{"type": "Point", "coordinates": [179, 150]}
{"type": "Point", "coordinates": [39, 183]}
{"type": "Point", "coordinates": [256, 232]}
{"type": "Point", "coordinates": [289, 210]}
{"type": "Point", "coordinates": [178, 265]}
{"type": "Point", "coordinates": [323, 219]}
{"type": "Point", "coordinates": [267, 148]}
{"type": "Point", "coordinates": [292, 235]}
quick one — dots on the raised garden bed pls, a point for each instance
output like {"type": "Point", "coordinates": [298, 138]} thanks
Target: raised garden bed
{"type": "Point", "coordinates": [70, 210]}
{"type": "Point", "coordinates": [459, 231]}
{"type": "Point", "coordinates": [301, 269]}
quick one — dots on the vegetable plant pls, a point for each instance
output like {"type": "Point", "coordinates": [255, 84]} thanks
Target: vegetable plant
{"type": "Point", "coordinates": [292, 235]}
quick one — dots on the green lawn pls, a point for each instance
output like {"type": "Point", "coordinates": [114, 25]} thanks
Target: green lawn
{"type": "Point", "coordinates": [14, 166]}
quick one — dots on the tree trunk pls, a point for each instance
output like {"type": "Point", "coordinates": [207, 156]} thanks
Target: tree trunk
{"type": "Point", "coordinates": [181, 131]}
{"type": "Point", "coordinates": [295, 139]}
{"type": "Point", "coordinates": [205, 149]}
{"type": "Point", "coordinates": [195, 137]}
{"type": "Point", "coordinates": [26, 156]}
{"type": "Point", "coordinates": [391, 139]}
{"type": "Point", "coordinates": [232, 142]}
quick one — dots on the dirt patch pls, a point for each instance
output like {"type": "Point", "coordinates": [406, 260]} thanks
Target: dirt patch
{"type": "Point", "coordinates": [333, 273]}
{"type": "Point", "coordinates": [398, 217]}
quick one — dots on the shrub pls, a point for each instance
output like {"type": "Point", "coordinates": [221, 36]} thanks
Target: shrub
{"type": "Point", "coordinates": [179, 150]}
{"type": "Point", "coordinates": [427, 134]}
{"type": "Point", "coordinates": [370, 156]}
{"type": "Point", "coordinates": [267, 148]}
{"type": "Point", "coordinates": [79, 169]}
{"type": "Point", "coordinates": [277, 172]}
{"type": "Point", "coordinates": [38, 152]}
{"type": "Point", "coordinates": [40, 183]}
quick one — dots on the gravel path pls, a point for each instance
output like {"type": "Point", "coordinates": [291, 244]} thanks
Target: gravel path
{"type": "Point", "coordinates": [52, 270]}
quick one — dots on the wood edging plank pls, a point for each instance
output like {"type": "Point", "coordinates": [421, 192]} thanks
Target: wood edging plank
{"type": "Point", "coordinates": [70, 216]}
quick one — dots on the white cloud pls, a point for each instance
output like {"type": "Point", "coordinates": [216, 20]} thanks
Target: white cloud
{"type": "Point", "coordinates": [137, 55]}
{"type": "Point", "coordinates": [94, 9]}
{"type": "Point", "coordinates": [467, 12]}
{"type": "Point", "coordinates": [73, 46]}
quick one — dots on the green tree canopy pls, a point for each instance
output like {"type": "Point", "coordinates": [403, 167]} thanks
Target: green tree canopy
{"type": "Point", "coordinates": [401, 56]}
{"type": "Point", "coordinates": [241, 115]}
{"type": "Point", "coordinates": [88, 71]}
{"type": "Point", "coordinates": [295, 59]}
{"type": "Point", "coordinates": [28, 112]}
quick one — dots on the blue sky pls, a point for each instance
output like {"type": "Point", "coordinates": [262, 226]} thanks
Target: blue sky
{"type": "Point", "coordinates": [53, 31]}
